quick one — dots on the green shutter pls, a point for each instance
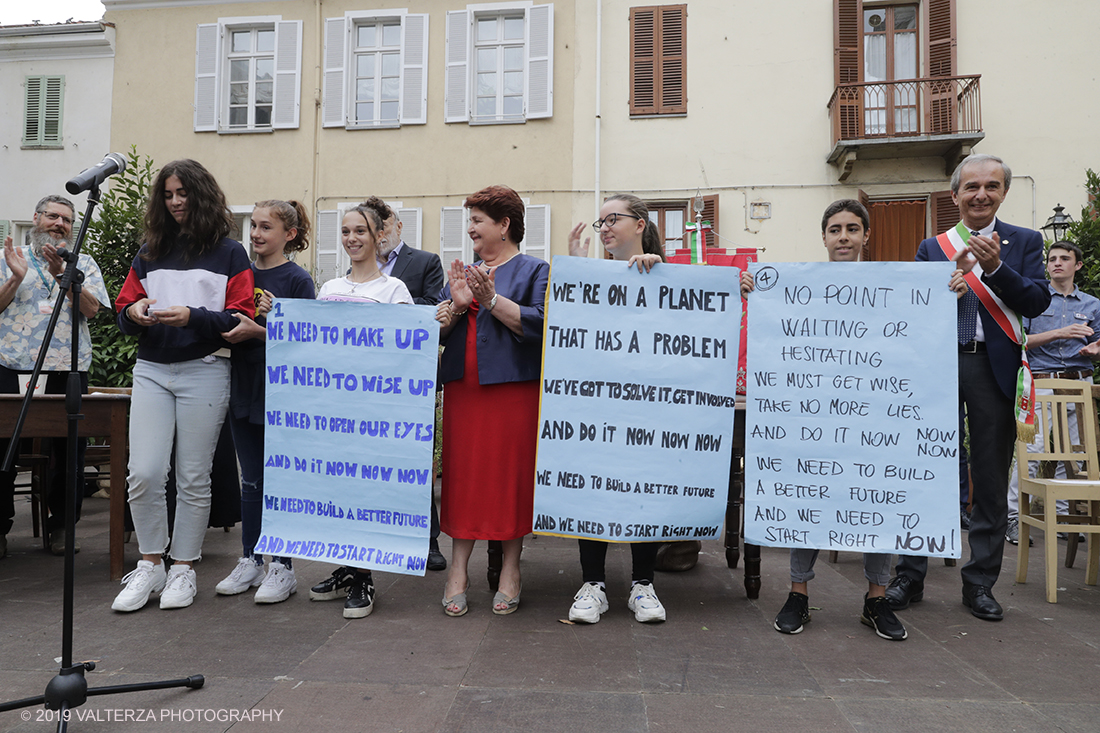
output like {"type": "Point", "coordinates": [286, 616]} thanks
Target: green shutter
{"type": "Point", "coordinates": [5, 229]}
{"type": "Point", "coordinates": [43, 118]}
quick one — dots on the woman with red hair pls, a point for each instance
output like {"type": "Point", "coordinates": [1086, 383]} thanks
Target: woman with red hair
{"type": "Point", "coordinates": [491, 321]}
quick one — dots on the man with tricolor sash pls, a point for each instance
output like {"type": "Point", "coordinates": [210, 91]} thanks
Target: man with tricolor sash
{"type": "Point", "coordinates": [1004, 269]}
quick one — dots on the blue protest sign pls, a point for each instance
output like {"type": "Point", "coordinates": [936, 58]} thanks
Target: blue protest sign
{"type": "Point", "coordinates": [350, 424]}
{"type": "Point", "coordinates": [852, 428]}
{"type": "Point", "coordinates": [638, 390]}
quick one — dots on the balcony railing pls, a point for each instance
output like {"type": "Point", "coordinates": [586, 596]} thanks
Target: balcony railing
{"type": "Point", "coordinates": [911, 108]}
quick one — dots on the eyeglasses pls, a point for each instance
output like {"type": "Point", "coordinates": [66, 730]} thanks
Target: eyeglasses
{"type": "Point", "coordinates": [611, 220]}
{"type": "Point", "coordinates": [51, 216]}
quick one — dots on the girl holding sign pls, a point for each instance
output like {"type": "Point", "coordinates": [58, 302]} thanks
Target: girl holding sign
{"type": "Point", "coordinates": [359, 233]}
{"type": "Point", "coordinates": [185, 288]}
{"type": "Point", "coordinates": [628, 234]}
{"type": "Point", "coordinates": [278, 229]}
{"type": "Point", "coordinates": [491, 320]}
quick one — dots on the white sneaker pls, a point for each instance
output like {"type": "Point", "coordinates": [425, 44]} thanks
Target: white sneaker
{"type": "Point", "coordinates": [644, 603]}
{"type": "Point", "coordinates": [246, 575]}
{"type": "Point", "coordinates": [179, 590]}
{"type": "Point", "coordinates": [278, 584]}
{"type": "Point", "coordinates": [145, 579]}
{"type": "Point", "coordinates": [588, 604]}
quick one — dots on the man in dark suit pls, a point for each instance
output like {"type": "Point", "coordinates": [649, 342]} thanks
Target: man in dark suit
{"type": "Point", "coordinates": [1009, 261]}
{"type": "Point", "coordinates": [422, 273]}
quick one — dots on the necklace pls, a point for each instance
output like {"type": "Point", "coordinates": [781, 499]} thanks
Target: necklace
{"type": "Point", "coordinates": [502, 264]}
{"type": "Point", "coordinates": [377, 274]}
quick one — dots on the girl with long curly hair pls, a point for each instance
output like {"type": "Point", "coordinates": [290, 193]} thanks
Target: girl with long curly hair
{"type": "Point", "coordinates": [183, 291]}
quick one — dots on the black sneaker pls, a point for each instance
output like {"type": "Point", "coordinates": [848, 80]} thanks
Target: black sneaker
{"type": "Point", "coordinates": [360, 600]}
{"type": "Point", "coordinates": [902, 591]}
{"type": "Point", "coordinates": [795, 613]}
{"type": "Point", "coordinates": [333, 587]}
{"type": "Point", "coordinates": [877, 615]}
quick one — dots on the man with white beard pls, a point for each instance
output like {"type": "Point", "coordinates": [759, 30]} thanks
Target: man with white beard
{"type": "Point", "coordinates": [28, 292]}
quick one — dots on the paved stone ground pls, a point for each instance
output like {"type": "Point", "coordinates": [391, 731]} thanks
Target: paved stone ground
{"type": "Point", "coordinates": [716, 665]}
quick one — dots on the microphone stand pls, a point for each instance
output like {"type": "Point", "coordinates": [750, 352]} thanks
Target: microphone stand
{"type": "Point", "coordinates": [68, 688]}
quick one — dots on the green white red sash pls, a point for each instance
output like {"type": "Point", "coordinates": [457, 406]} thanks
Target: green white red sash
{"type": "Point", "coordinates": [696, 241]}
{"type": "Point", "coordinates": [951, 242]}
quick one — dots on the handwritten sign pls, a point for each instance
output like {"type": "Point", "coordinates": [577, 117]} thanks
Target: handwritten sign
{"type": "Point", "coordinates": [636, 419]}
{"type": "Point", "coordinates": [349, 432]}
{"type": "Point", "coordinates": [852, 426]}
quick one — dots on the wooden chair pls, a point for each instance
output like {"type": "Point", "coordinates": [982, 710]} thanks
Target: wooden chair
{"type": "Point", "coordinates": [1081, 484]}
{"type": "Point", "coordinates": [34, 467]}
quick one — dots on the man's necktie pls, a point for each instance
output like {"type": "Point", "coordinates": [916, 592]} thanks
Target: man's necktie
{"type": "Point", "coordinates": [968, 314]}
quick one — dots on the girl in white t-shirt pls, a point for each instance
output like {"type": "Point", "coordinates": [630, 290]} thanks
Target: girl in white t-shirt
{"type": "Point", "coordinates": [365, 283]}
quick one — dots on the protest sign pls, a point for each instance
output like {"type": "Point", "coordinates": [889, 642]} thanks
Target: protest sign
{"type": "Point", "coordinates": [638, 384]}
{"type": "Point", "coordinates": [852, 429]}
{"type": "Point", "coordinates": [350, 424]}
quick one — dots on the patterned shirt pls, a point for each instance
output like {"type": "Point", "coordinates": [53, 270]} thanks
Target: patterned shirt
{"type": "Point", "coordinates": [23, 322]}
{"type": "Point", "coordinates": [1064, 354]}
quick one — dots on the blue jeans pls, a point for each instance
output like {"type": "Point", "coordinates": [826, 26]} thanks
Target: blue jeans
{"type": "Point", "coordinates": [876, 566]}
{"type": "Point", "coordinates": [248, 437]}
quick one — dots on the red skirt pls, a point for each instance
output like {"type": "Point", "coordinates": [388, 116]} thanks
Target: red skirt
{"type": "Point", "coordinates": [489, 437]}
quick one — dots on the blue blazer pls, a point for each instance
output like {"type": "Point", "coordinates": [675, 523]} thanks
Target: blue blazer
{"type": "Point", "coordinates": [502, 356]}
{"type": "Point", "coordinates": [1020, 282]}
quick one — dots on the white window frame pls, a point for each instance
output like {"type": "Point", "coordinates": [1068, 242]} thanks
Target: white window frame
{"type": "Point", "coordinates": [338, 93]}
{"type": "Point", "coordinates": [212, 74]}
{"type": "Point", "coordinates": [538, 62]}
{"type": "Point", "coordinates": [242, 215]}
{"type": "Point", "coordinates": [329, 251]}
{"type": "Point", "coordinates": [412, 223]}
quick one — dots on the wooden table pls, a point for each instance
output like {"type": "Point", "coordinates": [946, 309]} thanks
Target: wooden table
{"type": "Point", "coordinates": [734, 504]}
{"type": "Point", "coordinates": [105, 415]}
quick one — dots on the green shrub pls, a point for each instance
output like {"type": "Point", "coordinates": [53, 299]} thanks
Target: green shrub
{"type": "Point", "coordinates": [114, 237]}
{"type": "Point", "coordinates": [1085, 233]}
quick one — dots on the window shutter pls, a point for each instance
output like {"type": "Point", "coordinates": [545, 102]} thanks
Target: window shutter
{"type": "Point", "coordinates": [673, 60]}
{"type": "Point", "coordinates": [658, 60]}
{"type": "Point", "coordinates": [288, 74]}
{"type": "Point", "coordinates": [32, 128]}
{"type": "Point", "coordinates": [945, 214]}
{"type": "Point", "coordinates": [848, 64]}
{"type": "Point", "coordinates": [710, 213]}
{"type": "Point", "coordinates": [206, 73]}
{"type": "Point", "coordinates": [411, 226]}
{"type": "Point", "coordinates": [5, 229]}
{"type": "Point", "coordinates": [51, 111]}
{"type": "Point", "coordinates": [332, 98]}
{"type": "Point", "coordinates": [328, 244]}
{"type": "Point", "coordinates": [455, 105]}
{"type": "Point", "coordinates": [643, 61]}
{"type": "Point", "coordinates": [941, 64]}
{"type": "Point", "coordinates": [536, 239]}
{"type": "Point", "coordinates": [454, 244]}
{"type": "Point", "coordinates": [540, 62]}
{"type": "Point", "coordinates": [414, 69]}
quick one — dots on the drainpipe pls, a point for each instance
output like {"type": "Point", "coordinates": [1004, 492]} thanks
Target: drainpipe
{"type": "Point", "coordinates": [599, 89]}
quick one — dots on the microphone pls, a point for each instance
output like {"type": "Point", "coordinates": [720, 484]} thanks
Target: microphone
{"type": "Point", "coordinates": [92, 177]}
